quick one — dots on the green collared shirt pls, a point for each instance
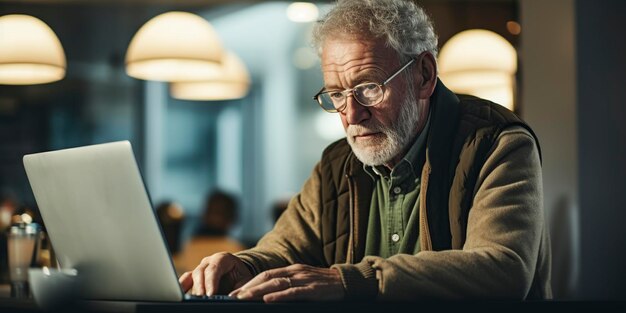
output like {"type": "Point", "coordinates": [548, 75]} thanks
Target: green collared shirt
{"type": "Point", "coordinates": [393, 225]}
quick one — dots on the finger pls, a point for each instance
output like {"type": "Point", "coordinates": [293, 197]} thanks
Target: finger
{"type": "Point", "coordinates": [291, 294]}
{"type": "Point", "coordinates": [268, 287]}
{"type": "Point", "coordinates": [213, 273]}
{"type": "Point", "coordinates": [266, 276]}
{"type": "Point", "coordinates": [235, 292]}
{"type": "Point", "coordinates": [186, 281]}
{"type": "Point", "coordinates": [239, 284]}
{"type": "Point", "coordinates": [198, 280]}
{"type": "Point", "coordinates": [237, 289]}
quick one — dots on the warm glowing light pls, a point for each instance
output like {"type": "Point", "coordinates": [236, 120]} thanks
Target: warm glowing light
{"type": "Point", "coordinates": [232, 81]}
{"type": "Point", "coordinates": [513, 27]}
{"type": "Point", "coordinates": [480, 63]}
{"type": "Point", "coordinates": [174, 46]}
{"type": "Point", "coordinates": [302, 12]}
{"type": "Point", "coordinates": [30, 52]}
{"type": "Point", "coordinates": [26, 218]}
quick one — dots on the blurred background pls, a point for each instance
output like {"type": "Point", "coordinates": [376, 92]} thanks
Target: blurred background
{"type": "Point", "coordinates": [560, 65]}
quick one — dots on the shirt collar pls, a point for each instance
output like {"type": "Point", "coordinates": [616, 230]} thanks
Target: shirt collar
{"type": "Point", "coordinates": [412, 157]}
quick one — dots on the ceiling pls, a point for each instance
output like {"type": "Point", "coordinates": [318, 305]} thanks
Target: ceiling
{"type": "Point", "coordinates": [198, 3]}
{"type": "Point", "coordinates": [183, 3]}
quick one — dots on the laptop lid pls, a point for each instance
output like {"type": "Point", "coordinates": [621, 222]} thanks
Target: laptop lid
{"type": "Point", "coordinates": [100, 221]}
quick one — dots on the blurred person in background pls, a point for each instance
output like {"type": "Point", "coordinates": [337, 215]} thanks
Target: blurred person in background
{"type": "Point", "coordinates": [219, 216]}
{"type": "Point", "coordinates": [431, 195]}
{"type": "Point", "coordinates": [8, 208]}
{"type": "Point", "coordinates": [278, 208]}
{"type": "Point", "coordinates": [171, 217]}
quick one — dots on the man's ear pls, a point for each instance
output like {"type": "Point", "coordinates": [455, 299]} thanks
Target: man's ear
{"type": "Point", "coordinates": [426, 75]}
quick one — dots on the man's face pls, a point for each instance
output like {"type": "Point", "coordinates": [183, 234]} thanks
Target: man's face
{"type": "Point", "coordinates": [381, 133]}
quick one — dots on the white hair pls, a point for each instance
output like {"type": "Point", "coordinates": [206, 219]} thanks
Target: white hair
{"type": "Point", "coordinates": [403, 25]}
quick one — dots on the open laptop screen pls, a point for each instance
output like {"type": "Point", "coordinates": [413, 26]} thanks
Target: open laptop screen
{"type": "Point", "coordinates": [100, 221]}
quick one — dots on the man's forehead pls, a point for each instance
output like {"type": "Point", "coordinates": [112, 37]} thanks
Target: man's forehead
{"type": "Point", "coordinates": [339, 54]}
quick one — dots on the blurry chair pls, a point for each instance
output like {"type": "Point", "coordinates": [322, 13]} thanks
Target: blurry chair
{"type": "Point", "coordinates": [220, 214]}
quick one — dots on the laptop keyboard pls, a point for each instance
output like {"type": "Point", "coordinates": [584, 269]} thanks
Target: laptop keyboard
{"type": "Point", "coordinates": [218, 298]}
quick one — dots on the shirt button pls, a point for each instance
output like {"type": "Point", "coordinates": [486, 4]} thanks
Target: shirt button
{"type": "Point", "coordinates": [397, 190]}
{"type": "Point", "coordinates": [395, 237]}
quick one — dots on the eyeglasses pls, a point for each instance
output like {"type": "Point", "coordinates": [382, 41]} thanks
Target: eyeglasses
{"type": "Point", "coordinates": [367, 94]}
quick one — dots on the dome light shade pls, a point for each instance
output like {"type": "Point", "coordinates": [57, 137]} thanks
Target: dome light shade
{"type": "Point", "coordinates": [232, 82]}
{"type": "Point", "coordinates": [302, 12]}
{"type": "Point", "coordinates": [481, 63]}
{"type": "Point", "coordinates": [174, 46]}
{"type": "Point", "coordinates": [30, 52]}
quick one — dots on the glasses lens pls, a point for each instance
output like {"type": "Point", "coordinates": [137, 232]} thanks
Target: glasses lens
{"type": "Point", "coordinates": [331, 101]}
{"type": "Point", "coordinates": [368, 94]}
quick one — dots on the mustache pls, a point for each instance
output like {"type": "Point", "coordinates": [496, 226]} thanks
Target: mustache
{"type": "Point", "coordinates": [366, 128]}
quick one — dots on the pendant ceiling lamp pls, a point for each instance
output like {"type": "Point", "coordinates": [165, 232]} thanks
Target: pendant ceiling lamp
{"type": "Point", "coordinates": [174, 46]}
{"type": "Point", "coordinates": [480, 63]}
{"type": "Point", "coordinates": [302, 12]}
{"type": "Point", "coordinates": [30, 52]}
{"type": "Point", "coordinates": [231, 82]}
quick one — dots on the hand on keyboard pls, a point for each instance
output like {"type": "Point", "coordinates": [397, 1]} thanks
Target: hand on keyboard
{"type": "Point", "coordinates": [210, 298]}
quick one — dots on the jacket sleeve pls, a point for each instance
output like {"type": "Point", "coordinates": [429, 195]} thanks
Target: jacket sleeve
{"type": "Point", "coordinates": [504, 235]}
{"type": "Point", "coordinates": [296, 235]}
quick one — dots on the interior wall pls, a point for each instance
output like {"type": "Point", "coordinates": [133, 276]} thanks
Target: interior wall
{"type": "Point", "coordinates": [573, 80]}
{"type": "Point", "coordinates": [262, 36]}
{"type": "Point", "coordinates": [601, 49]}
{"type": "Point", "coordinates": [548, 99]}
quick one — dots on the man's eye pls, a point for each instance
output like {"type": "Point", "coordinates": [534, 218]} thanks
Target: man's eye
{"type": "Point", "coordinates": [370, 86]}
{"type": "Point", "coordinates": [336, 95]}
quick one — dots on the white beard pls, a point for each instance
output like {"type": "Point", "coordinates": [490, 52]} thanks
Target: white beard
{"type": "Point", "coordinates": [396, 139]}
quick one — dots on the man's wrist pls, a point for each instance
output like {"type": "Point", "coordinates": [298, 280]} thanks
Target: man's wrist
{"type": "Point", "coordinates": [359, 280]}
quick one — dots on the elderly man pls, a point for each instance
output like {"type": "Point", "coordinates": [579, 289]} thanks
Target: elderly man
{"type": "Point", "coordinates": [431, 195]}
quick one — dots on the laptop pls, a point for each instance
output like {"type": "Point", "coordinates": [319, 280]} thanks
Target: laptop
{"type": "Point", "coordinates": [100, 221]}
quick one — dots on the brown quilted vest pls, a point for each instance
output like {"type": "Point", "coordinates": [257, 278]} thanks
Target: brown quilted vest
{"type": "Point", "coordinates": [463, 129]}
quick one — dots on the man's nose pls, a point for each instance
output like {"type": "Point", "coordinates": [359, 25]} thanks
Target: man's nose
{"type": "Point", "coordinates": [354, 112]}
